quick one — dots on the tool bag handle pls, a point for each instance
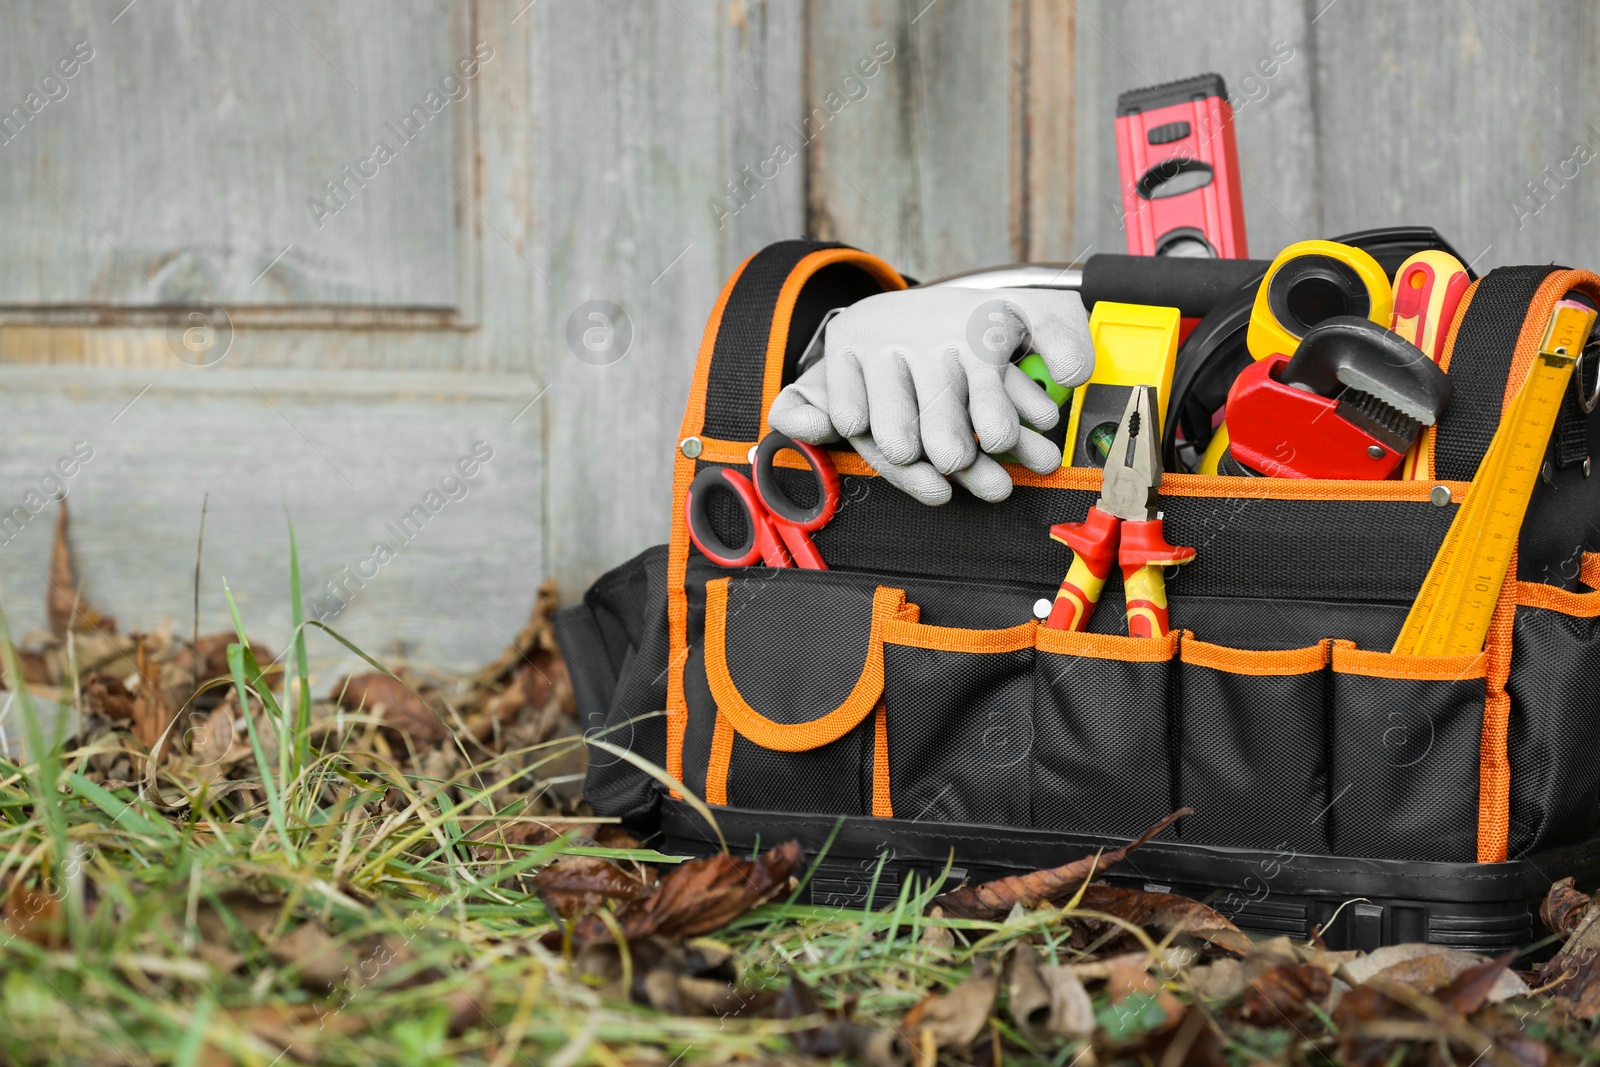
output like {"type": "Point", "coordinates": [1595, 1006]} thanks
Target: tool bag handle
{"type": "Point", "coordinates": [1479, 362]}
{"type": "Point", "coordinates": [768, 312]}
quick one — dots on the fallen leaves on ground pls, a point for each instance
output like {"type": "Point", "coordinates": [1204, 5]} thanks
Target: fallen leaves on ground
{"type": "Point", "coordinates": [694, 898]}
{"type": "Point", "coordinates": [1166, 913]}
{"type": "Point", "coordinates": [1572, 976]}
{"type": "Point", "coordinates": [574, 886]}
{"type": "Point", "coordinates": [953, 1020]}
{"type": "Point", "coordinates": [994, 900]}
{"type": "Point", "coordinates": [387, 698]}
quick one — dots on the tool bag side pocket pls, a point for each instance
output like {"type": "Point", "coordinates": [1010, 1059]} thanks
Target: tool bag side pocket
{"type": "Point", "coordinates": [959, 722]}
{"type": "Point", "coordinates": [1554, 688]}
{"type": "Point", "coordinates": [1405, 754]}
{"type": "Point", "coordinates": [793, 672]}
{"type": "Point", "coordinates": [1251, 743]}
{"type": "Point", "coordinates": [1102, 724]}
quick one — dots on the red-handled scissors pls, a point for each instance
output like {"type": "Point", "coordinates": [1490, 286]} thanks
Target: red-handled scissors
{"type": "Point", "coordinates": [777, 529]}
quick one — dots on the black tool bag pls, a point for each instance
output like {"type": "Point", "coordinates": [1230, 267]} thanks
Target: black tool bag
{"type": "Point", "coordinates": [905, 705]}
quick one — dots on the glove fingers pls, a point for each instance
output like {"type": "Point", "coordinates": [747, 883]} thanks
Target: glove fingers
{"type": "Point", "coordinates": [801, 409]}
{"type": "Point", "coordinates": [1036, 452]}
{"type": "Point", "coordinates": [1033, 404]}
{"type": "Point", "coordinates": [985, 479]}
{"type": "Point", "coordinates": [1060, 331]}
{"type": "Point", "coordinates": [994, 414]}
{"type": "Point", "coordinates": [892, 409]}
{"type": "Point", "coordinates": [846, 388]}
{"type": "Point", "coordinates": [918, 480]}
{"type": "Point", "coordinates": [946, 430]}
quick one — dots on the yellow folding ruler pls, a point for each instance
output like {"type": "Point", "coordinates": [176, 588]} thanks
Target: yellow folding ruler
{"type": "Point", "coordinates": [1452, 612]}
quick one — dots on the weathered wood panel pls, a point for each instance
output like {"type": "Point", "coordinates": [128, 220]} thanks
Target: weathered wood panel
{"type": "Point", "coordinates": [248, 154]}
{"type": "Point", "coordinates": [1474, 116]}
{"type": "Point", "coordinates": [645, 113]}
{"type": "Point", "coordinates": [347, 456]}
{"type": "Point", "coordinates": [926, 167]}
{"type": "Point", "coordinates": [1264, 51]}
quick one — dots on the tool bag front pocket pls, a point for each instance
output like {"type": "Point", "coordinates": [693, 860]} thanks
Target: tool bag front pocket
{"type": "Point", "coordinates": [959, 722]}
{"type": "Point", "coordinates": [1102, 722]}
{"type": "Point", "coordinates": [785, 705]}
{"type": "Point", "coordinates": [1554, 693]}
{"type": "Point", "coordinates": [1251, 742]}
{"type": "Point", "coordinates": [1404, 750]}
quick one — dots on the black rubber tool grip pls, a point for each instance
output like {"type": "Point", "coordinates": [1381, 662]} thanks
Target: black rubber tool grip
{"type": "Point", "coordinates": [1193, 286]}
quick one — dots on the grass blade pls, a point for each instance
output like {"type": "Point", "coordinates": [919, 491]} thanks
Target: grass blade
{"type": "Point", "coordinates": [302, 722]}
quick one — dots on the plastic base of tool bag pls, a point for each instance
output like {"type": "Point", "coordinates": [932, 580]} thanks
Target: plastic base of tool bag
{"type": "Point", "coordinates": [859, 862]}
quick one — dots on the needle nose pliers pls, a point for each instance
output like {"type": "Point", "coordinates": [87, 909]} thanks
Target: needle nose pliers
{"type": "Point", "coordinates": [1122, 527]}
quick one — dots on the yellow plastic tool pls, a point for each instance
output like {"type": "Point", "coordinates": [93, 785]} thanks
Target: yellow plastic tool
{"type": "Point", "coordinates": [1310, 281]}
{"type": "Point", "coordinates": [1452, 612]}
{"type": "Point", "coordinates": [1134, 344]}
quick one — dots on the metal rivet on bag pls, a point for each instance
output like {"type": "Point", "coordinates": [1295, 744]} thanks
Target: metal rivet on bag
{"type": "Point", "coordinates": [1041, 608]}
{"type": "Point", "coordinates": [690, 446]}
{"type": "Point", "coordinates": [750, 456]}
{"type": "Point", "coordinates": [1440, 495]}
{"type": "Point", "coordinates": [1375, 451]}
{"type": "Point", "coordinates": [1586, 466]}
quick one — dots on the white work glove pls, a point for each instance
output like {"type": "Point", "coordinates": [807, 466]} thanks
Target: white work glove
{"type": "Point", "coordinates": [928, 372]}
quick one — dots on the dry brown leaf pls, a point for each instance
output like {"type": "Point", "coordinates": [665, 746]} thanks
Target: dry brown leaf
{"type": "Point", "coordinates": [836, 1037]}
{"type": "Point", "coordinates": [1282, 994]}
{"type": "Point", "coordinates": [573, 886]}
{"type": "Point", "coordinates": [152, 710]}
{"type": "Point", "coordinates": [1071, 1011]}
{"type": "Point", "coordinates": [1373, 1019]}
{"type": "Point", "coordinates": [251, 911]}
{"type": "Point", "coordinates": [33, 915]}
{"type": "Point", "coordinates": [379, 694]}
{"type": "Point", "coordinates": [1425, 968]}
{"type": "Point", "coordinates": [1563, 908]}
{"type": "Point", "coordinates": [319, 960]}
{"type": "Point", "coordinates": [954, 1020]}
{"type": "Point", "coordinates": [1027, 995]}
{"type": "Point", "coordinates": [1130, 976]}
{"type": "Point", "coordinates": [61, 598]}
{"type": "Point", "coordinates": [994, 900]}
{"type": "Point", "coordinates": [1220, 980]}
{"type": "Point", "coordinates": [696, 898]}
{"type": "Point", "coordinates": [107, 697]}
{"type": "Point", "coordinates": [537, 634]}
{"type": "Point", "coordinates": [935, 936]}
{"type": "Point", "coordinates": [1166, 912]}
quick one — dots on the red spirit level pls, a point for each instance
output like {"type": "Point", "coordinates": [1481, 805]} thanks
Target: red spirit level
{"type": "Point", "coordinates": [1180, 170]}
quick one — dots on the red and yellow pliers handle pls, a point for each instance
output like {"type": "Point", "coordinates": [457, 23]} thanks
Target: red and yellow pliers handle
{"type": "Point", "coordinates": [1142, 550]}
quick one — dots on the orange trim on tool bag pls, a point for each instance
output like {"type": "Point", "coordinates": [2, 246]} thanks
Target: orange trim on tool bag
{"type": "Point", "coordinates": [1553, 598]}
{"type": "Point", "coordinates": [1088, 479]}
{"type": "Point", "coordinates": [719, 762]}
{"type": "Point", "coordinates": [1215, 486]}
{"type": "Point", "coordinates": [1494, 762]}
{"type": "Point", "coordinates": [1555, 286]}
{"type": "Point", "coordinates": [910, 632]}
{"type": "Point", "coordinates": [882, 806]}
{"type": "Point", "coordinates": [1589, 569]}
{"type": "Point", "coordinates": [1348, 659]}
{"type": "Point", "coordinates": [1107, 646]}
{"type": "Point", "coordinates": [795, 737]}
{"type": "Point", "coordinates": [1247, 661]}
{"type": "Point", "coordinates": [683, 468]}
{"type": "Point", "coordinates": [694, 417]}
{"type": "Point", "coordinates": [783, 312]}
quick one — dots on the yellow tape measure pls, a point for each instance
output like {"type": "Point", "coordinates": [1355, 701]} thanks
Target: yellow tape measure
{"type": "Point", "coordinates": [1452, 612]}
